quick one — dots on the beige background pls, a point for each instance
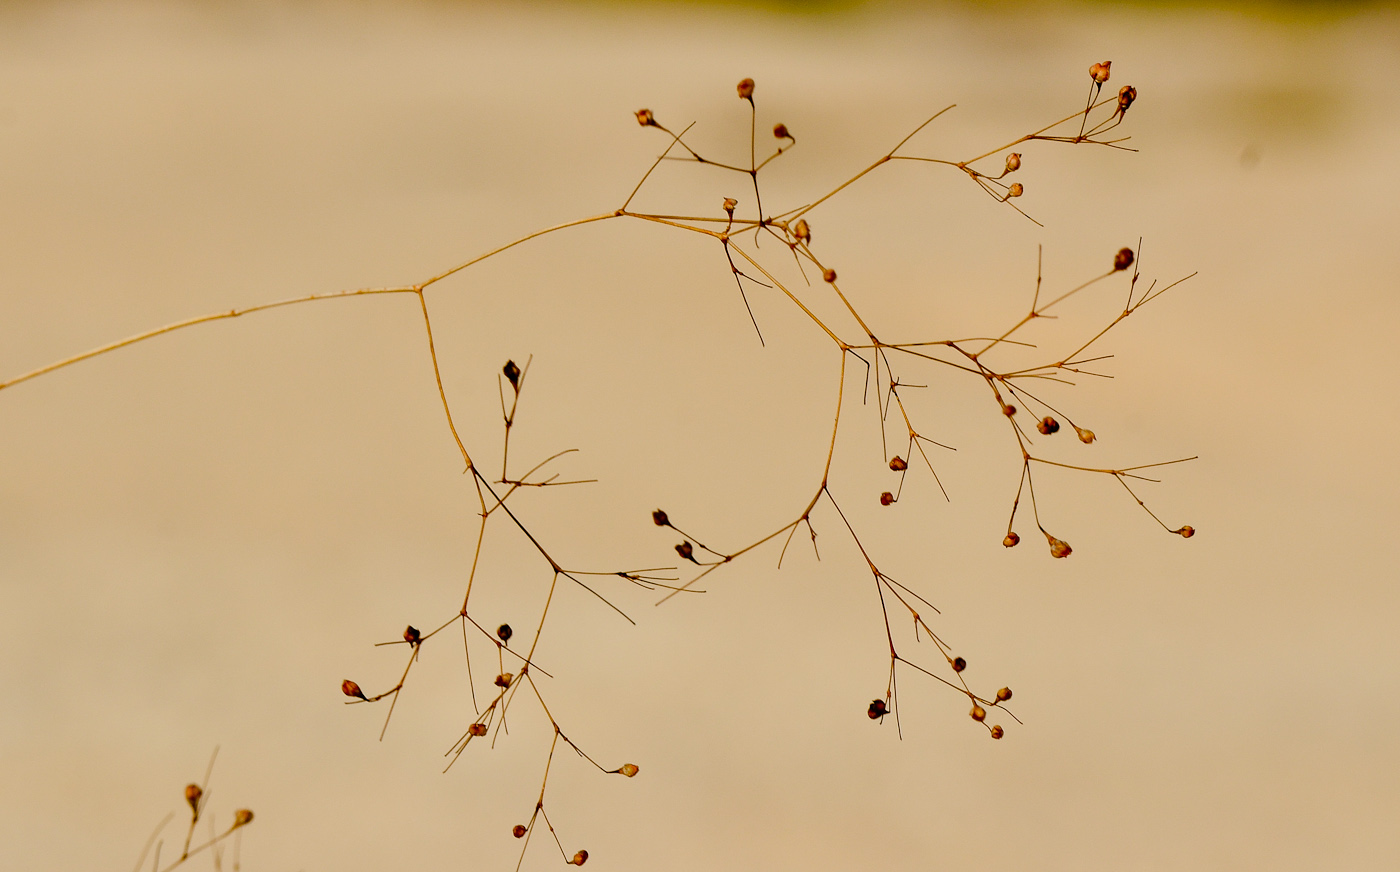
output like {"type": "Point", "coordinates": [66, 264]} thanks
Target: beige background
{"type": "Point", "coordinates": [201, 536]}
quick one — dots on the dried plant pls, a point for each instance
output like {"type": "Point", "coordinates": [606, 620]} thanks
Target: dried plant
{"type": "Point", "coordinates": [777, 253]}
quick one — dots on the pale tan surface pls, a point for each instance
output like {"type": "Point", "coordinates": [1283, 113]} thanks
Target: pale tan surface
{"type": "Point", "coordinates": [200, 537]}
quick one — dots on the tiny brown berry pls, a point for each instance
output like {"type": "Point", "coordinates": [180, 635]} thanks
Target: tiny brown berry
{"type": "Point", "coordinates": [898, 464]}
{"type": "Point", "coordinates": [410, 635]}
{"type": "Point", "coordinates": [1085, 436]}
{"type": "Point", "coordinates": [1047, 426]}
{"type": "Point", "coordinates": [801, 231]}
{"type": "Point", "coordinates": [877, 709]}
{"type": "Point", "coordinates": [192, 794]}
{"type": "Point", "coordinates": [504, 632]}
{"type": "Point", "coordinates": [350, 688]}
{"type": "Point", "coordinates": [504, 679]}
{"type": "Point", "coordinates": [477, 729]}
{"type": "Point", "coordinates": [1011, 540]}
{"type": "Point", "coordinates": [686, 550]}
{"type": "Point", "coordinates": [1004, 694]}
{"type": "Point", "coordinates": [645, 118]}
{"type": "Point", "coordinates": [1013, 162]}
{"type": "Point", "coordinates": [582, 856]}
{"type": "Point", "coordinates": [518, 831]}
{"type": "Point", "coordinates": [978, 713]}
{"type": "Point", "coordinates": [1126, 95]}
{"type": "Point", "coordinates": [242, 818]}
{"type": "Point", "coordinates": [1187, 532]}
{"type": "Point", "coordinates": [1123, 259]}
{"type": "Point", "coordinates": [780, 131]}
{"type": "Point", "coordinates": [745, 93]}
{"type": "Point", "coordinates": [628, 769]}
{"type": "Point", "coordinates": [829, 275]}
{"type": "Point", "coordinates": [886, 499]}
{"type": "Point", "coordinates": [959, 664]}
{"type": "Point", "coordinates": [997, 731]}
{"type": "Point", "coordinates": [1007, 409]}
{"type": "Point", "coordinates": [1017, 189]}
{"type": "Point", "coordinates": [1059, 548]}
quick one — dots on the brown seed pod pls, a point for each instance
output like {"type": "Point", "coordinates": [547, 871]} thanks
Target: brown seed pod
{"type": "Point", "coordinates": [1048, 426]}
{"type": "Point", "coordinates": [350, 688]}
{"type": "Point", "coordinates": [1059, 548]}
{"type": "Point", "coordinates": [686, 550]}
{"type": "Point", "coordinates": [1123, 259]}
{"type": "Point", "coordinates": [801, 232]}
{"type": "Point", "coordinates": [477, 729]}
{"type": "Point", "coordinates": [780, 131]}
{"type": "Point", "coordinates": [1017, 189]}
{"type": "Point", "coordinates": [959, 664]}
{"type": "Point", "coordinates": [729, 204]}
{"type": "Point", "coordinates": [1099, 72]}
{"type": "Point", "coordinates": [886, 499]}
{"type": "Point", "coordinates": [582, 856]}
{"type": "Point", "coordinates": [1013, 162]}
{"type": "Point", "coordinates": [411, 636]}
{"type": "Point", "coordinates": [504, 632]}
{"type": "Point", "coordinates": [829, 276]}
{"type": "Point", "coordinates": [645, 118]}
{"type": "Point", "coordinates": [518, 831]}
{"type": "Point", "coordinates": [512, 374]}
{"type": "Point", "coordinates": [1085, 436]}
{"type": "Point", "coordinates": [192, 794]}
{"type": "Point", "coordinates": [1186, 532]}
{"type": "Point", "coordinates": [242, 818]}
{"type": "Point", "coordinates": [1011, 540]}
{"type": "Point", "coordinates": [628, 769]}
{"type": "Point", "coordinates": [745, 93]}
{"type": "Point", "coordinates": [1007, 409]}
{"type": "Point", "coordinates": [1126, 95]}
{"type": "Point", "coordinates": [504, 679]}
{"type": "Point", "coordinates": [997, 731]}
{"type": "Point", "coordinates": [898, 464]}
{"type": "Point", "coordinates": [877, 709]}
{"type": "Point", "coordinates": [660, 519]}
{"type": "Point", "coordinates": [978, 713]}
{"type": "Point", "coordinates": [1004, 694]}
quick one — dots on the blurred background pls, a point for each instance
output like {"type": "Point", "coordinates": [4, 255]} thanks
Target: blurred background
{"type": "Point", "coordinates": [201, 536]}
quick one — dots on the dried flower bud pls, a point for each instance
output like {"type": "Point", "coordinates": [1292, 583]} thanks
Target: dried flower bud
{"type": "Point", "coordinates": [997, 731]}
{"type": "Point", "coordinates": [877, 709]}
{"type": "Point", "coordinates": [1085, 436]}
{"type": "Point", "coordinates": [1186, 532]}
{"type": "Point", "coordinates": [1013, 162]}
{"type": "Point", "coordinates": [1099, 72]}
{"type": "Point", "coordinates": [978, 713]}
{"type": "Point", "coordinates": [1004, 694]}
{"type": "Point", "coordinates": [1007, 409]}
{"type": "Point", "coordinates": [512, 374]}
{"type": "Point", "coordinates": [959, 664]}
{"type": "Point", "coordinates": [192, 794]}
{"type": "Point", "coordinates": [897, 464]}
{"type": "Point", "coordinates": [645, 118]}
{"type": "Point", "coordinates": [1059, 548]}
{"type": "Point", "coordinates": [504, 679]}
{"type": "Point", "coordinates": [729, 204]}
{"type": "Point", "coordinates": [242, 818]}
{"type": "Point", "coordinates": [628, 769]}
{"type": "Point", "coordinates": [350, 688]}
{"type": "Point", "coordinates": [659, 517]}
{"type": "Point", "coordinates": [746, 90]}
{"type": "Point", "coordinates": [518, 831]}
{"type": "Point", "coordinates": [1123, 259]}
{"type": "Point", "coordinates": [1047, 426]}
{"type": "Point", "coordinates": [780, 131]}
{"type": "Point", "coordinates": [582, 856]}
{"type": "Point", "coordinates": [686, 550]}
{"type": "Point", "coordinates": [477, 729]}
{"type": "Point", "coordinates": [801, 231]}
{"type": "Point", "coordinates": [886, 499]}
{"type": "Point", "coordinates": [1126, 95]}
{"type": "Point", "coordinates": [504, 632]}
{"type": "Point", "coordinates": [1016, 190]}
{"type": "Point", "coordinates": [829, 276]}
{"type": "Point", "coordinates": [1011, 540]}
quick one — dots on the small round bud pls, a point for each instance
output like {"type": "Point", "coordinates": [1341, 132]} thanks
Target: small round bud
{"type": "Point", "coordinates": [959, 664]}
{"type": "Point", "coordinates": [745, 93]}
{"type": "Point", "coordinates": [978, 713]}
{"type": "Point", "coordinates": [582, 856]}
{"type": "Point", "coordinates": [1008, 410]}
{"type": "Point", "coordinates": [1186, 532]}
{"type": "Point", "coordinates": [801, 231]}
{"type": "Point", "coordinates": [1048, 426]}
{"type": "Point", "coordinates": [659, 517]}
{"type": "Point", "coordinates": [997, 731]}
{"type": "Point", "coordinates": [1099, 72]}
{"type": "Point", "coordinates": [242, 818]}
{"type": "Point", "coordinates": [1085, 436]}
{"type": "Point", "coordinates": [1013, 162]}
{"type": "Point", "coordinates": [192, 794]}
{"type": "Point", "coordinates": [780, 131]}
{"type": "Point", "coordinates": [477, 729]}
{"type": "Point", "coordinates": [504, 679]}
{"type": "Point", "coordinates": [628, 769]}
{"type": "Point", "coordinates": [518, 831]}
{"type": "Point", "coordinates": [877, 709]}
{"type": "Point", "coordinates": [898, 464]}
{"type": "Point", "coordinates": [504, 632]}
{"type": "Point", "coordinates": [512, 373]}
{"type": "Point", "coordinates": [1004, 694]}
{"type": "Point", "coordinates": [645, 118]}
{"type": "Point", "coordinates": [886, 499]}
{"type": "Point", "coordinates": [350, 688]}
{"type": "Point", "coordinates": [1123, 259]}
{"type": "Point", "coordinates": [410, 635]}
{"type": "Point", "coordinates": [687, 551]}
{"type": "Point", "coordinates": [829, 276]}
{"type": "Point", "coordinates": [729, 204]}
{"type": "Point", "coordinates": [1126, 95]}
{"type": "Point", "coordinates": [1016, 190]}
{"type": "Point", "coordinates": [1011, 540]}
{"type": "Point", "coordinates": [1059, 548]}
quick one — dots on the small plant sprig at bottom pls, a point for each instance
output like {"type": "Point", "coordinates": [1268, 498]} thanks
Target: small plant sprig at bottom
{"type": "Point", "coordinates": [197, 798]}
{"type": "Point", "coordinates": [792, 267]}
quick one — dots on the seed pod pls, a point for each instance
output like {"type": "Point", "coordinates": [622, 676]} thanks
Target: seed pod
{"type": "Point", "coordinates": [829, 276]}
{"type": "Point", "coordinates": [518, 831]}
{"type": "Point", "coordinates": [780, 131]}
{"type": "Point", "coordinates": [1011, 540]}
{"type": "Point", "coordinates": [504, 679]}
{"type": "Point", "coordinates": [1085, 436]}
{"type": "Point", "coordinates": [745, 93]}
{"type": "Point", "coordinates": [1123, 259]}
{"type": "Point", "coordinates": [504, 632]}
{"type": "Point", "coordinates": [898, 464]}
{"type": "Point", "coordinates": [1059, 548]}
{"type": "Point", "coordinates": [1004, 694]}
{"type": "Point", "coordinates": [1099, 72]}
{"type": "Point", "coordinates": [997, 731]}
{"type": "Point", "coordinates": [1017, 189]}
{"type": "Point", "coordinates": [477, 729]}
{"type": "Point", "coordinates": [410, 635]}
{"type": "Point", "coordinates": [628, 769]}
{"type": "Point", "coordinates": [729, 204]}
{"type": "Point", "coordinates": [512, 374]}
{"type": "Point", "coordinates": [877, 709]}
{"type": "Point", "coordinates": [645, 118]}
{"type": "Point", "coordinates": [659, 517]}
{"type": "Point", "coordinates": [978, 713]}
{"type": "Point", "coordinates": [801, 232]}
{"type": "Point", "coordinates": [1007, 409]}
{"type": "Point", "coordinates": [1186, 532]}
{"type": "Point", "coordinates": [192, 794]}
{"type": "Point", "coordinates": [1013, 162]}
{"type": "Point", "coordinates": [242, 818]}
{"type": "Point", "coordinates": [582, 856]}
{"type": "Point", "coordinates": [1126, 95]}
{"type": "Point", "coordinates": [959, 664]}
{"type": "Point", "coordinates": [686, 550]}
{"type": "Point", "coordinates": [1048, 426]}
{"type": "Point", "coordinates": [886, 499]}
{"type": "Point", "coordinates": [350, 688]}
